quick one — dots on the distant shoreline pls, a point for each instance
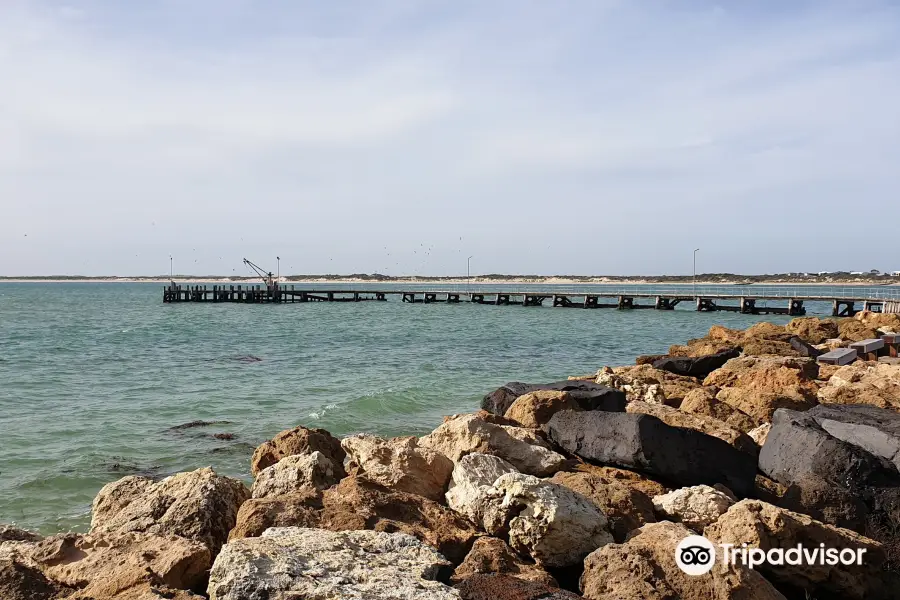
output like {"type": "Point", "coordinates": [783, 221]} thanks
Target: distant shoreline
{"type": "Point", "coordinates": [482, 280]}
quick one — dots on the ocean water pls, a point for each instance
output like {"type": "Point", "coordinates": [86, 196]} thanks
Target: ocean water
{"type": "Point", "coordinates": [96, 378]}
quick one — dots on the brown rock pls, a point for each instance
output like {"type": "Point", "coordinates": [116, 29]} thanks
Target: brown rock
{"type": "Point", "coordinates": [702, 402]}
{"type": "Point", "coordinates": [756, 347]}
{"type": "Point", "coordinates": [400, 464]}
{"type": "Point", "coordinates": [614, 475]}
{"type": "Point", "coordinates": [644, 568]}
{"type": "Point", "coordinates": [827, 371]}
{"type": "Point", "coordinates": [813, 330]}
{"type": "Point", "coordinates": [11, 533]}
{"type": "Point", "coordinates": [535, 409]}
{"type": "Point", "coordinates": [299, 440]}
{"type": "Point", "coordinates": [883, 321]}
{"type": "Point", "coordinates": [625, 507]}
{"type": "Point", "coordinates": [506, 587]}
{"type": "Point", "coordinates": [644, 359]}
{"type": "Point", "coordinates": [855, 330]}
{"type": "Point", "coordinates": [356, 504]}
{"type": "Point", "coordinates": [762, 404]}
{"type": "Point", "coordinates": [876, 384]}
{"type": "Point", "coordinates": [20, 581]}
{"type": "Point", "coordinates": [708, 425]}
{"type": "Point", "coordinates": [643, 382]}
{"type": "Point", "coordinates": [490, 555]}
{"type": "Point", "coordinates": [700, 347]}
{"type": "Point", "coordinates": [765, 526]}
{"type": "Point", "coordinates": [198, 505]}
{"type": "Point", "coordinates": [721, 333]}
{"type": "Point", "coordinates": [769, 490]}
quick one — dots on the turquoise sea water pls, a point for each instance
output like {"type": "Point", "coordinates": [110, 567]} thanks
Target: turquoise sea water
{"type": "Point", "coordinates": [93, 377]}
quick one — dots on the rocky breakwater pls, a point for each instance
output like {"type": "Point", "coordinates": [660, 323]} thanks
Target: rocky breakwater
{"type": "Point", "coordinates": [580, 488]}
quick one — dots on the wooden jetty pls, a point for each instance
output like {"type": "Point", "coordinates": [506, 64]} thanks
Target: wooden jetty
{"type": "Point", "coordinates": [782, 302]}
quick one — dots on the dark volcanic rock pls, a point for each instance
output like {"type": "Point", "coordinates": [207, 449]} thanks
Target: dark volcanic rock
{"type": "Point", "coordinates": [505, 587]}
{"type": "Point", "coordinates": [874, 429]}
{"type": "Point", "coordinates": [684, 456]}
{"type": "Point", "coordinates": [197, 423]}
{"type": "Point", "coordinates": [698, 367]}
{"type": "Point", "coordinates": [588, 395]}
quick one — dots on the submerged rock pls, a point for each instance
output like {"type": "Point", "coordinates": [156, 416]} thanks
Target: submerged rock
{"type": "Point", "coordinates": [312, 563]}
{"type": "Point", "coordinates": [299, 440]}
{"type": "Point", "coordinates": [199, 505]}
{"type": "Point", "coordinates": [399, 463]}
{"type": "Point", "coordinates": [645, 443]}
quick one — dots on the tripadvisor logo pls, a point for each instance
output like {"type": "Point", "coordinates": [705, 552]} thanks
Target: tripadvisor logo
{"type": "Point", "coordinates": [696, 555]}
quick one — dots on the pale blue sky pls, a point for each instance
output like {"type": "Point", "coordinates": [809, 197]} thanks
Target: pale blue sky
{"type": "Point", "coordinates": [401, 136]}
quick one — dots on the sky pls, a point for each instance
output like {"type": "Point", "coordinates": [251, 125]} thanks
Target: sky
{"type": "Point", "coordinates": [405, 136]}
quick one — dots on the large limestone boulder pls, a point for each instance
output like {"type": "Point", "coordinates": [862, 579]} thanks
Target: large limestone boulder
{"type": "Point", "coordinates": [854, 330]}
{"type": "Point", "coordinates": [696, 506]}
{"type": "Point", "coordinates": [107, 565]}
{"type": "Point", "coordinates": [399, 463]}
{"type": "Point", "coordinates": [704, 424]}
{"type": "Point", "coordinates": [357, 504]}
{"type": "Point", "coordinates": [647, 383]}
{"type": "Point", "coordinates": [472, 477]}
{"type": "Point", "coordinates": [874, 384]}
{"type": "Point", "coordinates": [644, 568]}
{"type": "Point", "coordinates": [645, 443]}
{"type": "Point", "coordinates": [625, 508]}
{"type": "Point", "coordinates": [813, 330]}
{"type": "Point", "coordinates": [490, 555]}
{"type": "Point", "coordinates": [299, 440]}
{"type": "Point", "coordinates": [534, 409]}
{"type": "Point", "coordinates": [703, 402]}
{"type": "Point", "coordinates": [758, 386]}
{"type": "Point", "coordinates": [293, 473]}
{"type": "Point", "coordinates": [588, 395]}
{"type": "Point", "coordinates": [879, 321]}
{"type": "Point", "coordinates": [199, 505]}
{"type": "Point", "coordinates": [298, 563]}
{"type": "Point", "coordinates": [506, 587]}
{"type": "Point", "coordinates": [764, 526]}
{"type": "Point", "coordinates": [548, 522]}
{"type": "Point", "coordinates": [523, 448]}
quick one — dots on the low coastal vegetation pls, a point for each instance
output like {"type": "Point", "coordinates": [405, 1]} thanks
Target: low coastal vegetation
{"type": "Point", "coordinates": [580, 488]}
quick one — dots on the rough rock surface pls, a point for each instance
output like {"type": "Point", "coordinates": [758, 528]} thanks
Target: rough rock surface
{"type": "Point", "coordinates": [356, 504]}
{"type": "Point", "coordinates": [464, 434]}
{"type": "Point", "coordinates": [299, 440]}
{"type": "Point", "coordinates": [812, 329]}
{"type": "Point", "coordinates": [490, 555]}
{"type": "Point", "coordinates": [313, 563]}
{"type": "Point", "coordinates": [534, 409]}
{"type": "Point", "coordinates": [684, 456]}
{"type": "Point", "coordinates": [644, 382]}
{"type": "Point", "coordinates": [198, 505]}
{"type": "Point", "coordinates": [294, 472]}
{"type": "Point", "coordinates": [879, 321]}
{"type": "Point", "coordinates": [632, 479]}
{"type": "Point", "coordinates": [854, 330]}
{"type": "Point", "coordinates": [505, 587]}
{"type": "Point", "coordinates": [702, 402]}
{"type": "Point", "coordinates": [760, 434]}
{"type": "Point", "coordinates": [765, 526]}
{"type": "Point", "coordinates": [704, 424]}
{"type": "Point", "coordinates": [696, 506]}
{"type": "Point", "coordinates": [626, 508]}
{"type": "Point", "coordinates": [22, 581]}
{"type": "Point", "coordinates": [699, 366]}
{"type": "Point", "coordinates": [11, 533]}
{"type": "Point", "coordinates": [587, 394]}
{"type": "Point", "coordinates": [644, 568]}
{"type": "Point", "coordinates": [472, 477]}
{"type": "Point", "coordinates": [874, 429]}
{"type": "Point", "coordinates": [399, 463]}
{"type": "Point", "coordinates": [875, 384]}
{"type": "Point", "coordinates": [110, 565]}
{"type": "Point", "coordinates": [540, 517]}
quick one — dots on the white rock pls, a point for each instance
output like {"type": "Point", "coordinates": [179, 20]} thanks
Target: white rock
{"type": "Point", "coordinates": [294, 472]}
{"type": "Point", "coordinates": [523, 448]}
{"type": "Point", "coordinates": [760, 433]}
{"type": "Point", "coordinates": [473, 475]}
{"type": "Point", "coordinates": [296, 562]}
{"type": "Point", "coordinates": [549, 522]}
{"type": "Point", "coordinates": [696, 506]}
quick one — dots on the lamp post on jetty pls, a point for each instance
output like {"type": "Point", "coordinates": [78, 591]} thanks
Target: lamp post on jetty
{"type": "Point", "coordinates": [278, 268]}
{"type": "Point", "coordinates": [170, 267]}
{"type": "Point", "coordinates": [468, 276]}
{"type": "Point", "coordinates": [696, 250]}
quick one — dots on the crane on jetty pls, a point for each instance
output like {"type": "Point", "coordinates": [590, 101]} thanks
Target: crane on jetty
{"type": "Point", "coordinates": [267, 276]}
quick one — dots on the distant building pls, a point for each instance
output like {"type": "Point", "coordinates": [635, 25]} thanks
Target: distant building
{"type": "Point", "coordinates": [856, 272]}
{"type": "Point", "coordinates": [895, 273]}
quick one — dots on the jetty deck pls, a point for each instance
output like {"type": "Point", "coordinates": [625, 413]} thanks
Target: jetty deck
{"type": "Point", "coordinates": [744, 299]}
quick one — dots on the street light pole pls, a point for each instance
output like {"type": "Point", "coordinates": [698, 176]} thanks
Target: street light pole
{"type": "Point", "coordinates": [696, 250]}
{"type": "Point", "coordinates": [170, 267]}
{"type": "Point", "coordinates": [468, 276]}
{"type": "Point", "coordinates": [278, 268]}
